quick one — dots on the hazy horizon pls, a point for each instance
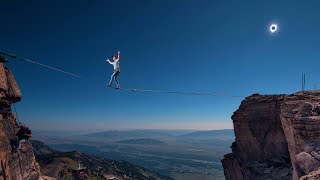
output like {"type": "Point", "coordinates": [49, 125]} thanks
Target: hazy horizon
{"type": "Point", "coordinates": [84, 128]}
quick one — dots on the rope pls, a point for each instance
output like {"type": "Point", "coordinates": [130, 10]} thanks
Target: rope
{"type": "Point", "coordinates": [127, 89]}
{"type": "Point", "coordinates": [178, 92]}
{"type": "Point", "coordinates": [16, 112]}
{"type": "Point", "coordinates": [40, 64]}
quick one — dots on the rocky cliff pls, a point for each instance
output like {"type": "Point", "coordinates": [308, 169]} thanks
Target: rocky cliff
{"type": "Point", "coordinates": [277, 137]}
{"type": "Point", "coordinates": [19, 165]}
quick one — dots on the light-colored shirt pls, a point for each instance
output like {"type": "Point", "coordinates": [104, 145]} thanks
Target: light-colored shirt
{"type": "Point", "coordinates": [116, 64]}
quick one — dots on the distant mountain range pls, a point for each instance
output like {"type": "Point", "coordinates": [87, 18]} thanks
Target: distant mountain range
{"type": "Point", "coordinates": [132, 134]}
{"type": "Point", "coordinates": [179, 154]}
{"type": "Point", "coordinates": [59, 165]}
{"type": "Point", "coordinates": [141, 141]}
{"type": "Point", "coordinates": [226, 134]}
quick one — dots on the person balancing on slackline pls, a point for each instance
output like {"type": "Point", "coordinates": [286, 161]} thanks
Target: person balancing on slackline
{"type": "Point", "coordinates": [116, 70]}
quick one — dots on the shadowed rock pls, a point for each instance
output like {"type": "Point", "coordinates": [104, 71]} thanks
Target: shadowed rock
{"type": "Point", "coordinates": [277, 137]}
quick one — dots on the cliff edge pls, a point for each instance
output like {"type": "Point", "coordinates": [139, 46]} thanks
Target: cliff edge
{"type": "Point", "coordinates": [19, 165]}
{"type": "Point", "coordinates": [277, 137]}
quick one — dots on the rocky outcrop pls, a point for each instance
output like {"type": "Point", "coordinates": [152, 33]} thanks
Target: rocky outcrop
{"type": "Point", "coordinates": [19, 165]}
{"type": "Point", "coordinates": [277, 137]}
{"type": "Point", "coordinates": [300, 117]}
{"type": "Point", "coordinates": [315, 175]}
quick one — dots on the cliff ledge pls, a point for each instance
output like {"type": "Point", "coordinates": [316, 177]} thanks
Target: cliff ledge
{"type": "Point", "coordinates": [277, 137]}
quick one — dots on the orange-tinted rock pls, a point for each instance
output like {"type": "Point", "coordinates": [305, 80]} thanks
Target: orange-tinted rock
{"type": "Point", "coordinates": [8, 86]}
{"type": "Point", "coordinates": [315, 175]}
{"type": "Point", "coordinates": [3, 78]}
{"type": "Point", "coordinates": [14, 93]}
{"type": "Point", "coordinates": [19, 165]}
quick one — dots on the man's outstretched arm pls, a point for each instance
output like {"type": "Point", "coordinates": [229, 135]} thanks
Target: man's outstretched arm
{"type": "Point", "coordinates": [109, 61]}
{"type": "Point", "coordinates": [118, 55]}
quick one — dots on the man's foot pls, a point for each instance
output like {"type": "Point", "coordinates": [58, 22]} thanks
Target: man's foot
{"type": "Point", "coordinates": [118, 87]}
{"type": "Point", "coordinates": [108, 85]}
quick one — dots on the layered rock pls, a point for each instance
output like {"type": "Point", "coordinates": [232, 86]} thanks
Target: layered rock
{"type": "Point", "coordinates": [260, 150]}
{"type": "Point", "coordinates": [13, 165]}
{"type": "Point", "coordinates": [300, 117]}
{"type": "Point", "coordinates": [277, 137]}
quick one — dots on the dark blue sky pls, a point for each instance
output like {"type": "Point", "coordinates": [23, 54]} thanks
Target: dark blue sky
{"type": "Point", "coordinates": [203, 46]}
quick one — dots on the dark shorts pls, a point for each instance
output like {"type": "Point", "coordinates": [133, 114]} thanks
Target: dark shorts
{"type": "Point", "coordinates": [117, 72]}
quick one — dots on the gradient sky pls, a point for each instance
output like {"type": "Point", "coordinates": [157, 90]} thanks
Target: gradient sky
{"type": "Point", "coordinates": [205, 46]}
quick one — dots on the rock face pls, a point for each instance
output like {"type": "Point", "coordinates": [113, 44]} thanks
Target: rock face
{"type": "Point", "coordinates": [277, 137]}
{"type": "Point", "coordinates": [300, 117]}
{"type": "Point", "coordinates": [14, 165]}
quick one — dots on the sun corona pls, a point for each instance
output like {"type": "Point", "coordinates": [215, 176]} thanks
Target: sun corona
{"type": "Point", "coordinates": [273, 28]}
